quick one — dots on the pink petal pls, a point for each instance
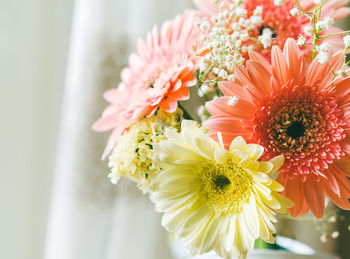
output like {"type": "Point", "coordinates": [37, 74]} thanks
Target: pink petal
{"type": "Point", "coordinates": [241, 110]}
{"type": "Point", "coordinates": [294, 60]}
{"type": "Point", "coordinates": [168, 105]}
{"type": "Point", "coordinates": [182, 94]}
{"type": "Point", "coordinates": [233, 89]}
{"type": "Point", "coordinates": [294, 191]}
{"type": "Point", "coordinates": [314, 196]}
{"type": "Point", "coordinates": [259, 77]}
{"type": "Point", "coordinates": [255, 56]}
{"type": "Point", "coordinates": [279, 66]}
{"type": "Point", "coordinates": [226, 124]}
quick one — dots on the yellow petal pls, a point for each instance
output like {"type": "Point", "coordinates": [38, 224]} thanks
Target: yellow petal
{"type": "Point", "coordinates": [255, 151]}
{"type": "Point", "coordinates": [277, 163]}
{"type": "Point", "coordinates": [238, 143]}
{"type": "Point", "coordinates": [205, 146]}
{"type": "Point", "coordinates": [221, 155]}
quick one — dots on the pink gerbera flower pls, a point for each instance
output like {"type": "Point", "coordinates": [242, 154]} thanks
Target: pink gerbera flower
{"type": "Point", "coordinates": [297, 109]}
{"type": "Point", "coordinates": [158, 75]}
{"type": "Point", "coordinates": [283, 25]}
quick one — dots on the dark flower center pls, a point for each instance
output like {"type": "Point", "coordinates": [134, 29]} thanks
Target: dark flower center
{"type": "Point", "coordinates": [296, 130]}
{"type": "Point", "coordinates": [221, 181]}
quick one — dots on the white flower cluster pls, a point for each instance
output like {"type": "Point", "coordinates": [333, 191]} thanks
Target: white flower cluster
{"type": "Point", "coordinates": [266, 37]}
{"type": "Point", "coordinates": [324, 24]}
{"type": "Point", "coordinates": [227, 36]}
{"type": "Point", "coordinates": [323, 52]}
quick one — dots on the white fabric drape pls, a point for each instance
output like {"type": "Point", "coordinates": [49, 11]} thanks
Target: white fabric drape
{"type": "Point", "coordinates": [90, 218]}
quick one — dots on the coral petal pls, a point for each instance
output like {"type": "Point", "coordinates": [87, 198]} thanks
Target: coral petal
{"type": "Point", "coordinates": [314, 196]}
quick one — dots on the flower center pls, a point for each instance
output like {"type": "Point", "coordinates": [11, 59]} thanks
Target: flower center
{"type": "Point", "coordinates": [222, 182]}
{"type": "Point", "coordinates": [296, 129]}
{"type": "Point", "coordinates": [303, 124]}
{"type": "Point", "coordinates": [225, 187]}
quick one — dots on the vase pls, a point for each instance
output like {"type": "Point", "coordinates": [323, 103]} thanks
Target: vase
{"type": "Point", "coordinates": [295, 250]}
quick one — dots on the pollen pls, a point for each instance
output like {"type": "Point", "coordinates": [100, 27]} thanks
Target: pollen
{"type": "Point", "coordinates": [226, 187]}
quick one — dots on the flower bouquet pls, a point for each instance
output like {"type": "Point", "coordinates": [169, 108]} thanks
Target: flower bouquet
{"type": "Point", "coordinates": [233, 113]}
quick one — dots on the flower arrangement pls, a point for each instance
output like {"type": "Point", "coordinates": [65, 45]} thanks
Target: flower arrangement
{"type": "Point", "coordinates": [272, 135]}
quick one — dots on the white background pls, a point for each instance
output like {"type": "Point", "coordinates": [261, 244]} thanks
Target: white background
{"type": "Point", "coordinates": [34, 39]}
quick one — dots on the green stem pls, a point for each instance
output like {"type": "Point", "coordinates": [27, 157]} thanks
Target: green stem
{"type": "Point", "coordinates": [206, 73]}
{"type": "Point", "coordinates": [334, 34]}
{"type": "Point", "coordinates": [316, 37]}
{"type": "Point", "coordinates": [320, 6]}
{"type": "Point", "coordinates": [301, 9]}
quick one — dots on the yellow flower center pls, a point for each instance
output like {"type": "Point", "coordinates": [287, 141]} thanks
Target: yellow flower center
{"type": "Point", "coordinates": [226, 187]}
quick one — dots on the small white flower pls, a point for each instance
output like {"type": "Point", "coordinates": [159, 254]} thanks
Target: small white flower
{"type": "Point", "coordinates": [266, 37]}
{"type": "Point", "coordinates": [335, 234]}
{"type": "Point", "coordinates": [244, 36]}
{"type": "Point", "coordinates": [239, 2]}
{"type": "Point", "coordinates": [323, 238]}
{"type": "Point", "coordinates": [244, 49]}
{"type": "Point", "coordinates": [216, 70]}
{"type": "Point", "coordinates": [200, 110]}
{"type": "Point", "coordinates": [294, 12]}
{"type": "Point", "coordinates": [347, 41]}
{"type": "Point", "coordinates": [241, 12]}
{"type": "Point", "coordinates": [256, 20]}
{"type": "Point", "coordinates": [238, 44]}
{"type": "Point", "coordinates": [321, 26]}
{"type": "Point", "coordinates": [308, 30]}
{"type": "Point", "coordinates": [301, 40]}
{"type": "Point", "coordinates": [332, 219]}
{"type": "Point", "coordinates": [278, 2]}
{"type": "Point", "coordinates": [317, 2]}
{"type": "Point", "coordinates": [235, 26]}
{"type": "Point", "coordinates": [231, 77]}
{"type": "Point", "coordinates": [325, 46]}
{"type": "Point", "coordinates": [205, 26]}
{"type": "Point", "coordinates": [323, 57]}
{"type": "Point", "coordinates": [203, 90]}
{"type": "Point", "coordinates": [258, 10]}
{"type": "Point", "coordinates": [233, 100]}
{"type": "Point", "coordinates": [342, 72]}
{"type": "Point", "coordinates": [329, 21]}
{"type": "Point", "coordinates": [241, 21]}
{"type": "Point", "coordinates": [223, 74]}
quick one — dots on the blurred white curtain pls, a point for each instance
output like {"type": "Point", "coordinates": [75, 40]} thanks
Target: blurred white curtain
{"type": "Point", "coordinates": [89, 217]}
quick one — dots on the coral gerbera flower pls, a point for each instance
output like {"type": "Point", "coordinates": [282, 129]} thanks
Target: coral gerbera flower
{"type": "Point", "coordinates": [158, 75]}
{"type": "Point", "coordinates": [296, 109]}
{"type": "Point", "coordinates": [213, 198]}
{"type": "Point", "coordinates": [281, 23]}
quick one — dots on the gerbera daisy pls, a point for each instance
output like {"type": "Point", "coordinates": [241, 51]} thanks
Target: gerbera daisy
{"type": "Point", "coordinates": [279, 21]}
{"type": "Point", "coordinates": [297, 109]}
{"type": "Point", "coordinates": [158, 75]}
{"type": "Point", "coordinates": [213, 198]}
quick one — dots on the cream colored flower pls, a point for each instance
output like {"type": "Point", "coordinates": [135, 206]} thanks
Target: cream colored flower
{"type": "Point", "coordinates": [215, 199]}
{"type": "Point", "coordinates": [132, 156]}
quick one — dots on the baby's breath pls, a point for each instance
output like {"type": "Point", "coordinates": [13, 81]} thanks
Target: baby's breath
{"type": "Point", "coordinates": [227, 38]}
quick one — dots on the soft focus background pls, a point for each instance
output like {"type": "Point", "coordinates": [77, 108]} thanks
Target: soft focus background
{"type": "Point", "coordinates": [56, 59]}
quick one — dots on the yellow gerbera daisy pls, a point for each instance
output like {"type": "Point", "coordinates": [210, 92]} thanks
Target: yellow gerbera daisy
{"type": "Point", "coordinates": [213, 198]}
